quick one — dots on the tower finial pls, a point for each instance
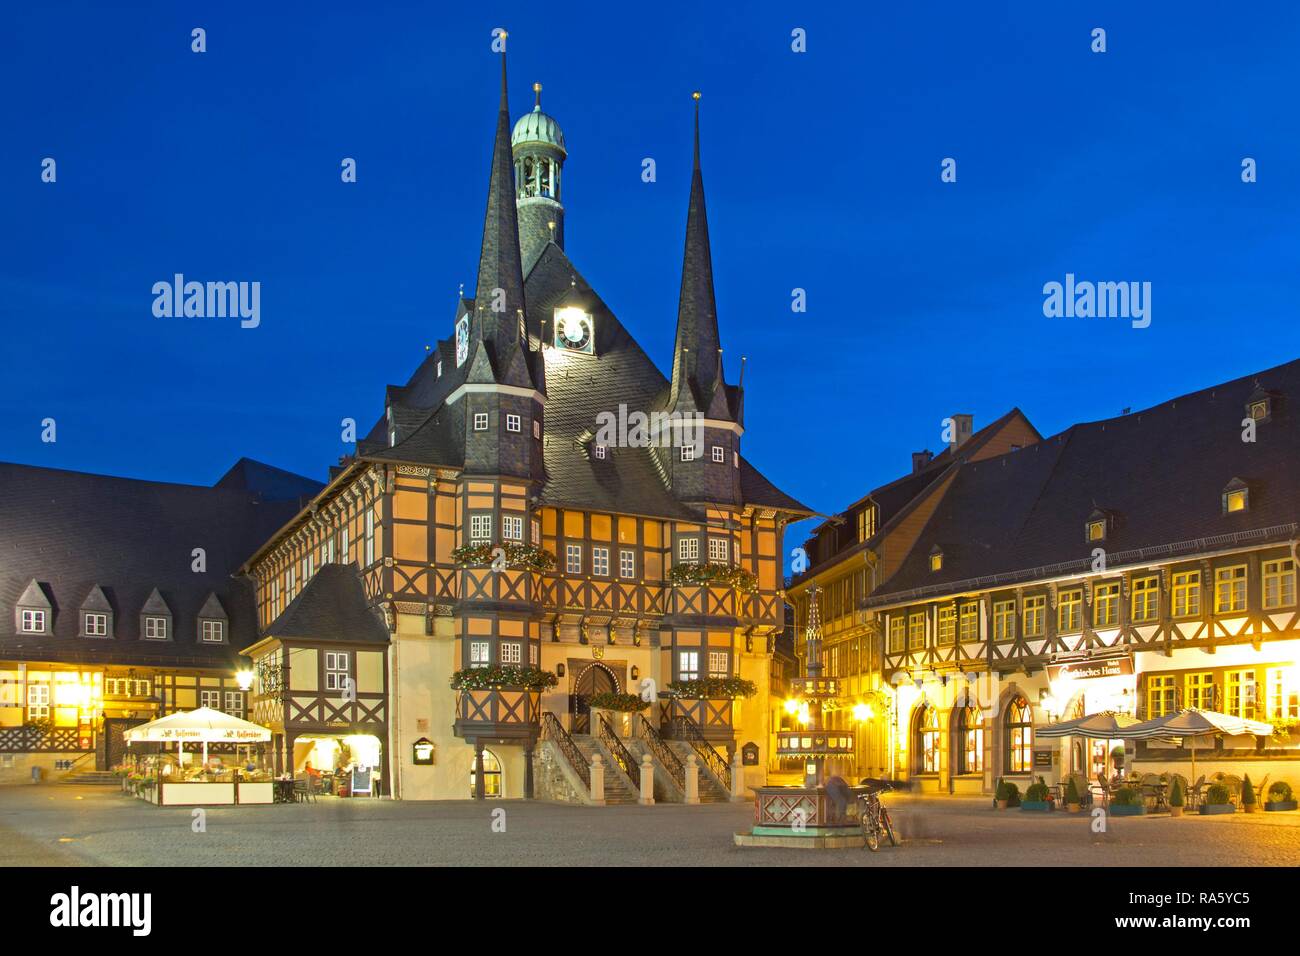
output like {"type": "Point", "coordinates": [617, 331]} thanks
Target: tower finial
{"type": "Point", "coordinates": [537, 89]}
{"type": "Point", "coordinates": [696, 96]}
{"type": "Point", "coordinates": [505, 108]}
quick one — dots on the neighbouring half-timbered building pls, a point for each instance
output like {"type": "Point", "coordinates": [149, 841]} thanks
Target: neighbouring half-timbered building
{"type": "Point", "coordinates": [1137, 565]}
{"type": "Point", "coordinates": [118, 605]}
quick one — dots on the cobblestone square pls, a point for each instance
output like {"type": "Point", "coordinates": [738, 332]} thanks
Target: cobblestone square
{"type": "Point", "coordinates": [99, 826]}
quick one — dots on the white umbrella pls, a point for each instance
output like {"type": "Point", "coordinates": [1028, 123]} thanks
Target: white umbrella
{"type": "Point", "coordinates": [204, 725]}
{"type": "Point", "coordinates": [1186, 725]}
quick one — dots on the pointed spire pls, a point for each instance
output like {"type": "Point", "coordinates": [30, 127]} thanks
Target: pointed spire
{"type": "Point", "coordinates": [499, 294]}
{"type": "Point", "coordinates": [697, 357]}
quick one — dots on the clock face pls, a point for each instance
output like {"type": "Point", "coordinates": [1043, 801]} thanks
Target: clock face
{"type": "Point", "coordinates": [574, 331]}
{"type": "Point", "coordinates": [462, 341]}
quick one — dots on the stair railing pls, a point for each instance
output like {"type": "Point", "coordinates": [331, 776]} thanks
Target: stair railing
{"type": "Point", "coordinates": [689, 730]}
{"type": "Point", "coordinates": [663, 753]}
{"type": "Point", "coordinates": [553, 731]}
{"type": "Point", "coordinates": [626, 762]}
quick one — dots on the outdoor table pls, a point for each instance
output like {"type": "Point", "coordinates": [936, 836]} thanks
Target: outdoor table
{"type": "Point", "coordinates": [284, 791]}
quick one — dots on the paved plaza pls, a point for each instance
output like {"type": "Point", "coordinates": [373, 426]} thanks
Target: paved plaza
{"type": "Point", "coordinates": [58, 825]}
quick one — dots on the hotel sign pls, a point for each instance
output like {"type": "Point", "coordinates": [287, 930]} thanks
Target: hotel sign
{"type": "Point", "coordinates": [1084, 669]}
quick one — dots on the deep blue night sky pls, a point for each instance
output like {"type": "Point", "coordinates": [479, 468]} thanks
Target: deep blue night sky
{"type": "Point", "coordinates": [822, 172]}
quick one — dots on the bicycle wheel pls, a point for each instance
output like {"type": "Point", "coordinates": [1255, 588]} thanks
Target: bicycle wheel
{"type": "Point", "coordinates": [870, 832]}
{"type": "Point", "coordinates": [889, 827]}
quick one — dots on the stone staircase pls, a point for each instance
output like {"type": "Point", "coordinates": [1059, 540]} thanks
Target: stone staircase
{"type": "Point", "coordinates": [101, 778]}
{"type": "Point", "coordinates": [618, 789]}
{"type": "Point", "coordinates": [711, 791]}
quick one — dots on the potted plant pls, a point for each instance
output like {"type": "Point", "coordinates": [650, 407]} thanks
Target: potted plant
{"type": "Point", "coordinates": [1127, 802]}
{"type": "Point", "coordinates": [1037, 797]}
{"type": "Point", "coordinates": [1279, 797]}
{"type": "Point", "coordinates": [1008, 794]}
{"type": "Point", "coordinates": [1176, 798]}
{"type": "Point", "coordinates": [1248, 801]}
{"type": "Point", "coordinates": [1217, 800]}
{"type": "Point", "coordinates": [1072, 800]}
{"type": "Point", "coordinates": [1117, 758]}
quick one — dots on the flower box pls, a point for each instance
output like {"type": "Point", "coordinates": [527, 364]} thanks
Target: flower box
{"type": "Point", "coordinates": [1277, 806]}
{"type": "Point", "coordinates": [1213, 809]}
{"type": "Point", "coordinates": [1040, 806]}
{"type": "Point", "coordinates": [1127, 810]}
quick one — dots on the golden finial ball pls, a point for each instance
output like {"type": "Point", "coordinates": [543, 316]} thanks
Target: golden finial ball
{"type": "Point", "coordinates": [695, 95]}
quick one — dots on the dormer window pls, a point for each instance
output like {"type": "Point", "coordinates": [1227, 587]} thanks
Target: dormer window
{"type": "Point", "coordinates": [1098, 525]}
{"type": "Point", "coordinates": [156, 618]}
{"type": "Point", "coordinates": [936, 559]}
{"type": "Point", "coordinates": [1261, 404]}
{"type": "Point", "coordinates": [94, 624]}
{"type": "Point", "coordinates": [212, 632]}
{"type": "Point", "coordinates": [1097, 530]}
{"type": "Point", "coordinates": [33, 612]}
{"type": "Point", "coordinates": [96, 614]}
{"type": "Point", "coordinates": [155, 628]}
{"type": "Point", "coordinates": [212, 621]}
{"type": "Point", "coordinates": [1236, 497]}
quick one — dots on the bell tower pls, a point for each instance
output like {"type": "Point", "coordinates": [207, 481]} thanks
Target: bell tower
{"type": "Point", "coordinates": [538, 147]}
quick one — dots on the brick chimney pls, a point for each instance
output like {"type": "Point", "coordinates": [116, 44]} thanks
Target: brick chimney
{"type": "Point", "coordinates": [962, 427]}
{"type": "Point", "coordinates": [920, 459]}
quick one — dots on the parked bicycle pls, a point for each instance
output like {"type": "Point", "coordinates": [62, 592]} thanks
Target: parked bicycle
{"type": "Point", "coordinates": [873, 816]}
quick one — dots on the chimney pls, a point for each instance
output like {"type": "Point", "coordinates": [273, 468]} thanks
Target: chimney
{"type": "Point", "coordinates": [920, 459]}
{"type": "Point", "coordinates": [962, 426]}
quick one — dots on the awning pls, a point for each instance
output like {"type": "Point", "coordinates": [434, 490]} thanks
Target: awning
{"type": "Point", "coordinates": [1196, 723]}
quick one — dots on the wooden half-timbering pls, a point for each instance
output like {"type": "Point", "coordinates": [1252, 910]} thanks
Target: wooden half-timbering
{"type": "Point", "coordinates": [320, 687]}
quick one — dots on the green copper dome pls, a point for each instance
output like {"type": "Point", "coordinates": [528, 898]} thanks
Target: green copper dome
{"type": "Point", "coordinates": [538, 127]}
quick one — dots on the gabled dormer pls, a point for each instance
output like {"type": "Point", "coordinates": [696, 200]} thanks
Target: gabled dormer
{"type": "Point", "coordinates": [156, 619]}
{"type": "Point", "coordinates": [214, 623]}
{"type": "Point", "coordinates": [936, 558]}
{"type": "Point", "coordinates": [33, 612]}
{"type": "Point", "coordinates": [1235, 497]}
{"type": "Point", "coordinates": [95, 616]}
{"type": "Point", "coordinates": [1100, 524]}
{"type": "Point", "coordinates": [1262, 405]}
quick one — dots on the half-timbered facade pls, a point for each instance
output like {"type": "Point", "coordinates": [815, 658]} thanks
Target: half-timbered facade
{"type": "Point", "coordinates": [502, 514]}
{"type": "Point", "coordinates": [117, 605]}
{"type": "Point", "coordinates": [1137, 564]}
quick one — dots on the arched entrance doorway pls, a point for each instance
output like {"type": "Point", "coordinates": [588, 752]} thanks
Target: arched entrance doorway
{"type": "Point", "coordinates": [594, 679]}
{"type": "Point", "coordinates": [491, 777]}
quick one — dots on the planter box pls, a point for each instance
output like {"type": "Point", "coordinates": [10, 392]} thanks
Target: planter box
{"type": "Point", "coordinates": [1041, 806]}
{"type": "Point", "coordinates": [1214, 809]}
{"type": "Point", "coordinates": [1127, 810]}
{"type": "Point", "coordinates": [1279, 805]}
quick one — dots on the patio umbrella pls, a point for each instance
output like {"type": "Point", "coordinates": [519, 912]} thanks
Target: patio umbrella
{"type": "Point", "coordinates": [204, 725]}
{"type": "Point", "coordinates": [1104, 726]}
{"type": "Point", "coordinates": [1186, 725]}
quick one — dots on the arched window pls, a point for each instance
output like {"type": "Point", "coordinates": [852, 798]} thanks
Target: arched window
{"type": "Point", "coordinates": [970, 740]}
{"type": "Point", "coordinates": [491, 776]}
{"type": "Point", "coordinates": [1019, 751]}
{"type": "Point", "coordinates": [925, 740]}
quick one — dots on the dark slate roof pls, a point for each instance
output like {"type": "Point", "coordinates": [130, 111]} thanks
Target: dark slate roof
{"type": "Point", "coordinates": [268, 482]}
{"type": "Point", "coordinates": [1161, 473]}
{"type": "Point", "coordinates": [72, 532]}
{"type": "Point", "coordinates": [332, 606]}
{"type": "Point", "coordinates": [628, 480]}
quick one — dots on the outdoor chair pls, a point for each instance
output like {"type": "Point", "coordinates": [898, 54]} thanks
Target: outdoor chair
{"type": "Point", "coordinates": [1196, 792]}
{"type": "Point", "coordinates": [302, 791]}
{"type": "Point", "coordinates": [1261, 790]}
{"type": "Point", "coordinates": [1104, 789]}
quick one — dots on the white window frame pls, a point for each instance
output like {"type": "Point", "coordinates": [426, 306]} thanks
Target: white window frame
{"type": "Point", "coordinates": [536, 531]}
{"type": "Point", "coordinates": [38, 700]}
{"type": "Point", "coordinates": [337, 669]}
{"type": "Point", "coordinates": [212, 631]}
{"type": "Point", "coordinates": [94, 623]}
{"type": "Point", "coordinates": [512, 527]}
{"type": "Point", "coordinates": [210, 698]}
{"type": "Point", "coordinates": [480, 528]}
{"type": "Point", "coordinates": [537, 428]}
{"type": "Point", "coordinates": [719, 550]}
{"type": "Point", "coordinates": [688, 665]}
{"type": "Point", "coordinates": [234, 703]}
{"type": "Point", "coordinates": [514, 423]}
{"type": "Point", "coordinates": [480, 421]}
{"type": "Point", "coordinates": [626, 563]}
{"type": "Point", "coordinates": [1283, 572]}
{"type": "Point", "coordinates": [688, 452]}
{"type": "Point", "coordinates": [719, 664]}
{"type": "Point", "coordinates": [31, 620]}
{"type": "Point", "coordinates": [532, 653]}
{"type": "Point", "coordinates": [511, 652]}
{"type": "Point", "coordinates": [155, 628]}
{"type": "Point", "coordinates": [688, 549]}
{"type": "Point", "coordinates": [598, 451]}
{"type": "Point", "coordinates": [480, 654]}
{"type": "Point", "coordinates": [719, 455]}
{"type": "Point", "coordinates": [573, 559]}
{"type": "Point", "coordinates": [600, 561]}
